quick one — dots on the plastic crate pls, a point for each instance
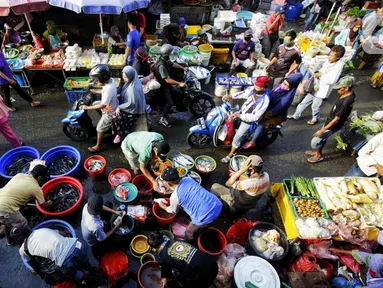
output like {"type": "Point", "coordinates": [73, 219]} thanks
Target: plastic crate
{"type": "Point", "coordinates": [72, 96]}
{"type": "Point", "coordinates": [71, 88]}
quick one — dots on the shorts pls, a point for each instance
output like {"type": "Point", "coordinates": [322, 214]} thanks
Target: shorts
{"type": "Point", "coordinates": [105, 122]}
{"type": "Point", "coordinates": [12, 219]}
{"type": "Point", "coordinates": [245, 63]}
{"type": "Point", "coordinates": [131, 157]}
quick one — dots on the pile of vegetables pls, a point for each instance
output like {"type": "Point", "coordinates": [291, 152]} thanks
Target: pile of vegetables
{"type": "Point", "coordinates": [308, 208]}
{"type": "Point", "coordinates": [356, 12]}
{"type": "Point", "coordinates": [340, 145]}
{"type": "Point", "coordinates": [331, 18]}
{"type": "Point", "coordinates": [303, 187]}
{"type": "Point", "coordinates": [366, 126]}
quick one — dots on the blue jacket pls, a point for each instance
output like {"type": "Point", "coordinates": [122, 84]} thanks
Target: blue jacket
{"type": "Point", "coordinates": [341, 39]}
{"type": "Point", "coordinates": [202, 206]}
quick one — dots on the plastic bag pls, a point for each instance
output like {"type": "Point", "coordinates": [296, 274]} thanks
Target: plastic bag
{"type": "Point", "coordinates": [239, 231]}
{"type": "Point", "coordinates": [66, 284]}
{"type": "Point", "coordinates": [226, 264]}
{"type": "Point", "coordinates": [230, 132]}
{"type": "Point", "coordinates": [320, 250]}
{"type": "Point", "coordinates": [378, 116]}
{"type": "Point", "coordinates": [307, 262]}
{"type": "Point", "coordinates": [350, 262]}
{"type": "Point", "coordinates": [222, 132]}
{"type": "Point", "coordinates": [114, 265]}
{"type": "Point", "coordinates": [235, 250]}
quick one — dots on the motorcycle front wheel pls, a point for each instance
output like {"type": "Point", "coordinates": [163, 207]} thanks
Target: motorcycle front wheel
{"type": "Point", "coordinates": [201, 106]}
{"type": "Point", "coordinates": [267, 138]}
{"type": "Point", "coordinates": [75, 133]}
{"type": "Point", "coordinates": [198, 140]}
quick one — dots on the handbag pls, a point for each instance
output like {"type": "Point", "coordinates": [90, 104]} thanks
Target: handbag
{"type": "Point", "coordinates": [309, 86]}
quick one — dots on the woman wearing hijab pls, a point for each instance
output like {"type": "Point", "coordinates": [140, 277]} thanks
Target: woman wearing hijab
{"type": "Point", "coordinates": [115, 41]}
{"type": "Point", "coordinates": [281, 98]}
{"type": "Point", "coordinates": [132, 103]}
{"type": "Point", "coordinates": [141, 62]}
{"type": "Point", "coordinates": [53, 34]}
{"type": "Point", "coordinates": [350, 37]}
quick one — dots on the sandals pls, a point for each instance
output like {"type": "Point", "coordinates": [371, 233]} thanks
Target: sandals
{"type": "Point", "coordinates": [291, 117]}
{"type": "Point", "coordinates": [92, 150]}
{"type": "Point", "coordinates": [248, 145]}
{"type": "Point", "coordinates": [309, 153]}
{"type": "Point", "coordinates": [312, 159]}
{"type": "Point", "coordinates": [226, 159]}
{"type": "Point", "coordinates": [312, 122]}
{"type": "Point", "coordinates": [35, 103]}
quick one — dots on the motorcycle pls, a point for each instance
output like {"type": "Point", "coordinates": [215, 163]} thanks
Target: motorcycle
{"type": "Point", "coordinates": [77, 125]}
{"type": "Point", "coordinates": [207, 131]}
{"type": "Point", "coordinates": [191, 98]}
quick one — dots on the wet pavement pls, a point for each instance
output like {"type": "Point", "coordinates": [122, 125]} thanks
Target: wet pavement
{"type": "Point", "coordinates": [41, 128]}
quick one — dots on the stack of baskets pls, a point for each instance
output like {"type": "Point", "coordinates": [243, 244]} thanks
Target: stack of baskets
{"type": "Point", "coordinates": [73, 92]}
{"type": "Point", "coordinates": [205, 52]}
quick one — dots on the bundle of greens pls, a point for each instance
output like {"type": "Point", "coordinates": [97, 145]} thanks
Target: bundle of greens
{"type": "Point", "coordinates": [366, 126]}
{"type": "Point", "coordinates": [304, 187]}
{"type": "Point", "coordinates": [356, 12]}
{"type": "Point", "coordinates": [340, 145]}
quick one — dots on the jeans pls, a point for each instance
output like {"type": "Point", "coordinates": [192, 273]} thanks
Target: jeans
{"type": "Point", "coordinates": [355, 172]}
{"type": "Point", "coordinates": [166, 93]}
{"type": "Point", "coordinates": [8, 133]}
{"type": "Point", "coordinates": [258, 131]}
{"type": "Point", "coordinates": [319, 142]}
{"type": "Point", "coordinates": [240, 134]}
{"type": "Point", "coordinates": [7, 93]}
{"type": "Point", "coordinates": [73, 262]}
{"type": "Point", "coordinates": [315, 103]}
{"type": "Point", "coordinates": [311, 19]}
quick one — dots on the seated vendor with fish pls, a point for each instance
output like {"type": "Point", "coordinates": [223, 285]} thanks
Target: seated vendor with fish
{"type": "Point", "coordinates": [202, 207]}
{"type": "Point", "coordinates": [246, 186]}
{"type": "Point", "coordinates": [142, 148]}
{"type": "Point", "coordinates": [257, 101]}
{"type": "Point", "coordinates": [95, 216]}
{"type": "Point", "coordinates": [182, 265]}
{"type": "Point", "coordinates": [18, 191]}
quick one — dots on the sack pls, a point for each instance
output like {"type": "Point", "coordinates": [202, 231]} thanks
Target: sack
{"type": "Point", "coordinates": [114, 265]}
{"type": "Point", "coordinates": [239, 231]}
{"type": "Point", "coordinates": [307, 262]}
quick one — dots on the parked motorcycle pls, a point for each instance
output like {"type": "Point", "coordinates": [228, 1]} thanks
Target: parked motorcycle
{"type": "Point", "coordinates": [191, 98]}
{"type": "Point", "coordinates": [208, 130]}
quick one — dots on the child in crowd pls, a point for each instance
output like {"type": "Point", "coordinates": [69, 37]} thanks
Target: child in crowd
{"type": "Point", "coordinates": [5, 129]}
{"type": "Point", "coordinates": [376, 80]}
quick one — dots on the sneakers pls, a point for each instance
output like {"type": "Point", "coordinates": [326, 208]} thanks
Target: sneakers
{"type": "Point", "coordinates": [164, 122]}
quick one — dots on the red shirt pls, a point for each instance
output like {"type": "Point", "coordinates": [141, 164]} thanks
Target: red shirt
{"type": "Point", "coordinates": [141, 23]}
{"type": "Point", "coordinates": [270, 21]}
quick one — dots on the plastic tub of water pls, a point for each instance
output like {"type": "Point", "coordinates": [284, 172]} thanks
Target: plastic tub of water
{"type": "Point", "coordinates": [59, 151]}
{"type": "Point", "coordinates": [148, 274]}
{"type": "Point", "coordinates": [212, 241]}
{"type": "Point", "coordinates": [9, 157]}
{"type": "Point", "coordinates": [163, 218]}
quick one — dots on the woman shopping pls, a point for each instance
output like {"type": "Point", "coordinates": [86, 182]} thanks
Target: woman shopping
{"type": "Point", "coordinates": [132, 104]}
{"type": "Point", "coordinates": [5, 129]}
{"type": "Point", "coordinates": [350, 37]}
{"type": "Point", "coordinates": [6, 80]}
{"type": "Point", "coordinates": [270, 41]}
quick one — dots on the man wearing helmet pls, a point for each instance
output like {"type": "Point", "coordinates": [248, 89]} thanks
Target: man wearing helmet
{"type": "Point", "coordinates": [108, 104]}
{"type": "Point", "coordinates": [162, 74]}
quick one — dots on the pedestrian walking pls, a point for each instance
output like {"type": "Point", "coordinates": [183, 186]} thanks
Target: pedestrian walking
{"type": "Point", "coordinates": [5, 129]}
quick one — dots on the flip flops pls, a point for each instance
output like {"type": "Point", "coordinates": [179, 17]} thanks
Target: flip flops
{"type": "Point", "coordinates": [313, 159]}
{"type": "Point", "coordinates": [92, 150]}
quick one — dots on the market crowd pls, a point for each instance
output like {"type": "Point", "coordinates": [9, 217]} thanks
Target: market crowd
{"type": "Point", "coordinates": [285, 80]}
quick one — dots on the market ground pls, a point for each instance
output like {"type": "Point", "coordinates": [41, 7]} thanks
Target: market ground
{"type": "Point", "coordinates": [41, 128]}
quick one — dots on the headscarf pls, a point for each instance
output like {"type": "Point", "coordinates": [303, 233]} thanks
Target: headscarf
{"type": "Point", "coordinates": [132, 95]}
{"type": "Point", "coordinates": [352, 35]}
{"type": "Point", "coordinates": [113, 30]}
{"type": "Point", "coordinates": [142, 54]}
{"type": "Point", "coordinates": [280, 100]}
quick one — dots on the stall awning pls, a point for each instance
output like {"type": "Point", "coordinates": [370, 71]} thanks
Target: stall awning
{"type": "Point", "coordinates": [22, 6]}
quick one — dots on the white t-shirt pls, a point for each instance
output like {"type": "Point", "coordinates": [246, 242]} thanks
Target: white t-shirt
{"type": "Point", "coordinates": [109, 95]}
{"type": "Point", "coordinates": [48, 243]}
{"type": "Point", "coordinates": [92, 227]}
{"type": "Point", "coordinates": [371, 154]}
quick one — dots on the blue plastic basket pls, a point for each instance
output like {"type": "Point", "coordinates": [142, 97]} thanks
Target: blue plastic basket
{"type": "Point", "coordinates": [14, 153]}
{"type": "Point", "coordinates": [72, 96]}
{"type": "Point", "coordinates": [59, 151]}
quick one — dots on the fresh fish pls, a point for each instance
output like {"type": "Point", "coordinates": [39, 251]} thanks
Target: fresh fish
{"type": "Point", "coordinates": [195, 176]}
{"type": "Point", "coordinates": [235, 164]}
{"type": "Point", "coordinates": [95, 165]}
{"type": "Point", "coordinates": [63, 197]}
{"type": "Point", "coordinates": [62, 165]}
{"type": "Point", "coordinates": [205, 164]}
{"type": "Point", "coordinates": [20, 165]}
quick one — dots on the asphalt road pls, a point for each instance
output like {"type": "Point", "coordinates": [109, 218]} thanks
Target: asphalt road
{"type": "Point", "coordinates": [41, 128]}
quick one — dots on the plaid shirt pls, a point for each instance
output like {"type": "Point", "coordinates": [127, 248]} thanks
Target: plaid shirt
{"type": "Point", "coordinates": [254, 185]}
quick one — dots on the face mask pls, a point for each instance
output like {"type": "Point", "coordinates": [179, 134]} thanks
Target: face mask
{"type": "Point", "coordinates": [247, 38]}
{"type": "Point", "coordinates": [284, 87]}
{"type": "Point", "coordinates": [260, 92]}
{"type": "Point", "coordinates": [286, 43]}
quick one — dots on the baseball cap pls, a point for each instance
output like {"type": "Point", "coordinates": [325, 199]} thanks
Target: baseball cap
{"type": "Point", "coordinates": [280, 9]}
{"type": "Point", "coordinates": [248, 33]}
{"type": "Point", "coordinates": [346, 81]}
{"type": "Point", "coordinates": [95, 203]}
{"type": "Point", "coordinates": [170, 174]}
{"type": "Point", "coordinates": [163, 149]}
{"type": "Point", "coordinates": [255, 160]}
{"type": "Point", "coordinates": [181, 21]}
{"type": "Point", "coordinates": [262, 81]}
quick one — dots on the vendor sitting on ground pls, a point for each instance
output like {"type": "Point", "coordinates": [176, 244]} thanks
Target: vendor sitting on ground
{"type": "Point", "coordinates": [95, 222]}
{"type": "Point", "coordinates": [132, 104]}
{"type": "Point", "coordinates": [243, 54]}
{"type": "Point", "coordinates": [286, 60]}
{"type": "Point", "coordinates": [246, 185]}
{"type": "Point", "coordinates": [19, 190]}
{"type": "Point", "coordinates": [338, 116]}
{"type": "Point", "coordinates": [193, 267]}
{"type": "Point", "coordinates": [54, 35]}
{"type": "Point", "coordinates": [374, 262]}
{"type": "Point", "coordinates": [202, 207]}
{"type": "Point", "coordinates": [281, 98]}
{"type": "Point", "coordinates": [370, 159]}
{"type": "Point", "coordinates": [115, 41]}
{"type": "Point", "coordinates": [108, 104]}
{"type": "Point", "coordinates": [257, 101]}
{"type": "Point", "coordinates": [68, 254]}
{"type": "Point", "coordinates": [143, 148]}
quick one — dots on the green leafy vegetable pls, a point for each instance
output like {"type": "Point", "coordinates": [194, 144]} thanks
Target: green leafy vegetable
{"type": "Point", "coordinates": [340, 145]}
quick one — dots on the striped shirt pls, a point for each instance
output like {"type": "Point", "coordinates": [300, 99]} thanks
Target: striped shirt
{"type": "Point", "coordinates": [254, 185]}
{"type": "Point", "coordinates": [253, 109]}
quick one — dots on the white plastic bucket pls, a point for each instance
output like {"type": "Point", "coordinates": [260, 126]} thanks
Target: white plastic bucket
{"type": "Point", "coordinates": [262, 63]}
{"type": "Point", "coordinates": [235, 89]}
{"type": "Point", "coordinates": [220, 90]}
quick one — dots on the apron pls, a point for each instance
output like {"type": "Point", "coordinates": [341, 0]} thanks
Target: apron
{"type": "Point", "coordinates": [55, 41]}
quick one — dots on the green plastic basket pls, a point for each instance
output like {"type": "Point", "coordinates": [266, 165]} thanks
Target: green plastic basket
{"type": "Point", "coordinates": [71, 88]}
